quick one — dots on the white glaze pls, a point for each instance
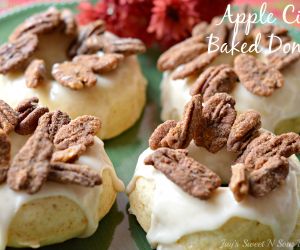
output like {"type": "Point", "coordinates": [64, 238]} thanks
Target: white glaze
{"type": "Point", "coordinates": [86, 198]}
{"type": "Point", "coordinates": [175, 94]}
{"type": "Point", "coordinates": [169, 224]}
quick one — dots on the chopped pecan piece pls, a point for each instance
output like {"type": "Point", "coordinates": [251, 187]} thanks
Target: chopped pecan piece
{"type": "Point", "coordinates": [218, 117]}
{"type": "Point", "coordinates": [5, 147]}
{"type": "Point", "coordinates": [51, 122]}
{"type": "Point", "coordinates": [15, 54]}
{"type": "Point", "coordinates": [267, 30]}
{"type": "Point", "coordinates": [195, 66]}
{"type": "Point", "coordinates": [37, 24]}
{"type": "Point", "coordinates": [29, 115]}
{"type": "Point", "coordinates": [35, 73]}
{"type": "Point", "coordinates": [239, 184]}
{"type": "Point", "coordinates": [270, 176]}
{"type": "Point", "coordinates": [125, 46]}
{"type": "Point", "coordinates": [69, 154]}
{"type": "Point", "coordinates": [79, 131]}
{"type": "Point", "coordinates": [281, 59]}
{"type": "Point", "coordinates": [100, 64]}
{"type": "Point", "coordinates": [74, 174]}
{"type": "Point", "coordinates": [30, 166]}
{"type": "Point", "coordinates": [200, 29]}
{"type": "Point", "coordinates": [74, 75]}
{"type": "Point", "coordinates": [3, 174]}
{"type": "Point", "coordinates": [259, 78]}
{"type": "Point", "coordinates": [243, 131]}
{"type": "Point", "coordinates": [215, 79]}
{"type": "Point", "coordinates": [8, 117]}
{"type": "Point", "coordinates": [79, 46]}
{"type": "Point", "coordinates": [70, 25]}
{"type": "Point", "coordinates": [191, 176]}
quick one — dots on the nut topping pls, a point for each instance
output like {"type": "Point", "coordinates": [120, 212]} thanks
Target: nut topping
{"type": "Point", "coordinates": [256, 76]}
{"type": "Point", "coordinates": [243, 131]}
{"type": "Point", "coordinates": [125, 46]}
{"type": "Point", "coordinates": [35, 73]}
{"type": "Point", "coordinates": [191, 176]}
{"type": "Point", "coordinates": [239, 184]}
{"type": "Point", "coordinates": [74, 75]}
{"type": "Point", "coordinates": [69, 154]}
{"type": "Point", "coordinates": [8, 117]}
{"type": "Point", "coordinates": [70, 25]}
{"type": "Point", "coordinates": [5, 147]}
{"type": "Point", "coordinates": [215, 79]}
{"type": "Point", "coordinates": [15, 54]}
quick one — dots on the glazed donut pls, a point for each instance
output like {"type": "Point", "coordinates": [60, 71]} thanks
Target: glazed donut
{"type": "Point", "coordinates": [189, 69]}
{"type": "Point", "coordinates": [57, 182]}
{"type": "Point", "coordinates": [176, 193]}
{"type": "Point", "coordinates": [52, 53]}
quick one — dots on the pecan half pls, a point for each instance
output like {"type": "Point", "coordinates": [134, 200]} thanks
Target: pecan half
{"type": "Point", "coordinates": [79, 131]}
{"type": "Point", "coordinates": [15, 54]}
{"type": "Point", "coordinates": [74, 174]}
{"type": "Point", "coordinates": [267, 30]}
{"type": "Point", "coordinates": [51, 122]}
{"type": "Point", "coordinates": [5, 147]}
{"type": "Point", "coordinates": [219, 31]}
{"type": "Point", "coordinates": [200, 29]}
{"type": "Point", "coordinates": [69, 21]}
{"type": "Point", "coordinates": [79, 47]}
{"type": "Point", "coordinates": [29, 115]}
{"type": "Point", "coordinates": [100, 64]}
{"type": "Point", "coordinates": [125, 46]}
{"type": "Point", "coordinates": [35, 73]}
{"type": "Point", "coordinates": [281, 59]}
{"type": "Point", "coordinates": [243, 131]}
{"type": "Point", "coordinates": [69, 154]}
{"type": "Point", "coordinates": [218, 117]}
{"type": "Point", "coordinates": [74, 75]}
{"type": "Point", "coordinates": [195, 66]}
{"type": "Point", "coordinates": [270, 176]}
{"type": "Point", "coordinates": [30, 166]}
{"type": "Point", "coordinates": [239, 184]}
{"type": "Point", "coordinates": [215, 79]}
{"type": "Point", "coordinates": [257, 77]}
{"type": "Point", "coordinates": [8, 117]}
{"type": "Point", "coordinates": [191, 176]}
{"type": "Point", "coordinates": [37, 24]}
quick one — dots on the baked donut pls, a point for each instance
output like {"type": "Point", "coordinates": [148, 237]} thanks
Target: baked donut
{"type": "Point", "coordinates": [56, 180]}
{"type": "Point", "coordinates": [217, 180]}
{"type": "Point", "coordinates": [263, 81]}
{"type": "Point", "coordinates": [80, 70]}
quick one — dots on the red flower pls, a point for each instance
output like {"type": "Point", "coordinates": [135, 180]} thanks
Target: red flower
{"type": "Point", "coordinates": [87, 13]}
{"type": "Point", "coordinates": [173, 19]}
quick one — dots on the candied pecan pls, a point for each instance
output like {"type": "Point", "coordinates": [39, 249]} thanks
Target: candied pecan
{"type": "Point", "coordinates": [243, 131]}
{"type": "Point", "coordinates": [270, 176]}
{"type": "Point", "coordinates": [125, 46]}
{"type": "Point", "coordinates": [281, 59]}
{"type": "Point", "coordinates": [30, 166]}
{"type": "Point", "coordinates": [3, 174]}
{"type": "Point", "coordinates": [70, 25]}
{"type": "Point", "coordinates": [79, 131]}
{"type": "Point", "coordinates": [218, 117]}
{"type": "Point", "coordinates": [195, 66]}
{"type": "Point", "coordinates": [181, 135]}
{"type": "Point", "coordinates": [79, 47]}
{"type": "Point", "coordinates": [74, 174]}
{"type": "Point", "coordinates": [5, 147]}
{"type": "Point", "coordinates": [74, 75]}
{"type": "Point", "coordinates": [191, 176]}
{"type": "Point", "coordinates": [69, 154]}
{"type": "Point", "coordinates": [15, 54]}
{"type": "Point", "coordinates": [100, 64]}
{"type": "Point", "coordinates": [182, 55]}
{"type": "Point", "coordinates": [37, 24]}
{"type": "Point", "coordinates": [259, 78]}
{"type": "Point", "coordinates": [35, 73]}
{"type": "Point", "coordinates": [219, 31]}
{"type": "Point", "coordinates": [267, 30]}
{"type": "Point", "coordinates": [29, 115]}
{"type": "Point", "coordinates": [239, 184]}
{"type": "Point", "coordinates": [215, 79]}
{"type": "Point", "coordinates": [161, 132]}
{"type": "Point", "coordinates": [8, 117]}
{"type": "Point", "coordinates": [200, 29]}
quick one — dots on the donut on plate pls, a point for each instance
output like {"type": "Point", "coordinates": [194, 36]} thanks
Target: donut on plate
{"type": "Point", "coordinates": [217, 180]}
{"type": "Point", "coordinates": [81, 70]}
{"type": "Point", "coordinates": [56, 181]}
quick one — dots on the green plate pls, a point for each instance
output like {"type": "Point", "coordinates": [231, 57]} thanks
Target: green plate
{"type": "Point", "coordinates": [118, 230]}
